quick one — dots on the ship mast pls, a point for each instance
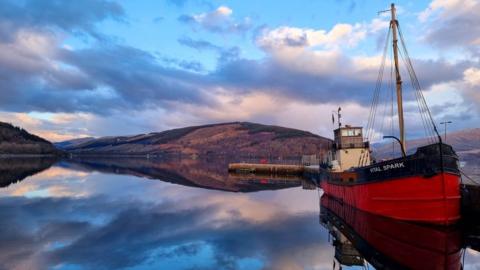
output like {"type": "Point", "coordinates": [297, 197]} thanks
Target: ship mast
{"type": "Point", "coordinates": [394, 25]}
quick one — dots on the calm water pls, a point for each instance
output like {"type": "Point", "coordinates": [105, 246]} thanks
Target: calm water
{"type": "Point", "coordinates": [144, 214]}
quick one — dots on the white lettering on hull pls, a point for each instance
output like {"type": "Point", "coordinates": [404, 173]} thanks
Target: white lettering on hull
{"type": "Point", "coordinates": [387, 167]}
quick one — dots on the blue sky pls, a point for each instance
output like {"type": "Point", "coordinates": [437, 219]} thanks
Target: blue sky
{"type": "Point", "coordinates": [98, 68]}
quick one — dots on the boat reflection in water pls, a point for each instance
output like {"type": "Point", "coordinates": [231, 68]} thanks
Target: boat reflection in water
{"type": "Point", "coordinates": [360, 237]}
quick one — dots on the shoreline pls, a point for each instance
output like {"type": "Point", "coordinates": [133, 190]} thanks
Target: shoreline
{"type": "Point", "coordinates": [27, 155]}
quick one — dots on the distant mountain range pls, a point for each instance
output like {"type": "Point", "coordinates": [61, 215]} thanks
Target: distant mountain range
{"type": "Point", "coordinates": [15, 140]}
{"type": "Point", "coordinates": [229, 139]}
{"type": "Point", "coordinates": [72, 143]}
{"type": "Point", "coordinates": [465, 142]}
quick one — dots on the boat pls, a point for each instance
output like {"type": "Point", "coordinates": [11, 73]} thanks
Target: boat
{"type": "Point", "coordinates": [423, 186]}
{"type": "Point", "coordinates": [385, 243]}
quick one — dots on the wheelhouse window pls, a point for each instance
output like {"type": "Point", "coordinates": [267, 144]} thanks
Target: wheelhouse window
{"type": "Point", "coordinates": [351, 132]}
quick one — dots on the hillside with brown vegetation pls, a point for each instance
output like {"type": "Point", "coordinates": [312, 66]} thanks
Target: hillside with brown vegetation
{"type": "Point", "coordinates": [16, 141]}
{"type": "Point", "coordinates": [227, 139]}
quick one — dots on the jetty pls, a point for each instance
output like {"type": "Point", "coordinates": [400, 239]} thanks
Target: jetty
{"type": "Point", "coordinates": [271, 169]}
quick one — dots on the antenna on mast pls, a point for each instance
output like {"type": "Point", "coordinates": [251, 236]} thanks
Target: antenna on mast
{"type": "Point", "coordinates": [339, 116]}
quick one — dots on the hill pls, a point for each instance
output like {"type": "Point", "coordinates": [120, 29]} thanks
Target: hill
{"type": "Point", "coordinates": [237, 138]}
{"type": "Point", "coordinates": [17, 141]}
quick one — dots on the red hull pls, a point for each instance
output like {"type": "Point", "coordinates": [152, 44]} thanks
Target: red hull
{"type": "Point", "coordinates": [433, 200]}
{"type": "Point", "coordinates": [413, 246]}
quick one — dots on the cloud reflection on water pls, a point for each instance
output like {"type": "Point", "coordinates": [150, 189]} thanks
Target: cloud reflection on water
{"type": "Point", "coordinates": [100, 221]}
{"type": "Point", "coordinates": [73, 216]}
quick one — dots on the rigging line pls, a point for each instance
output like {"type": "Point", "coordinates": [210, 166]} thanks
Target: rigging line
{"type": "Point", "coordinates": [433, 131]}
{"type": "Point", "coordinates": [371, 120]}
{"type": "Point", "coordinates": [414, 82]}
{"type": "Point", "coordinates": [372, 116]}
{"type": "Point", "coordinates": [381, 82]}
{"type": "Point", "coordinates": [416, 85]}
{"type": "Point", "coordinates": [421, 106]}
{"type": "Point", "coordinates": [382, 123]}
{"type": "Point", "coordinates": [468, 177]}
{"type": "Point", "coordinates": [373, 108]}
{"type": "Point", "coordinates": [385, 103]}
{"type": "Point", "coordinates": [421, 94]}
{"type": "Point", "coordinates": [392, 89]}
{"type": "Point", "coordinates": [388, 86]}
{"type": "Point", "coordinates": [424, 121]}
{"type": "Point", "coordinates": [375, 96]}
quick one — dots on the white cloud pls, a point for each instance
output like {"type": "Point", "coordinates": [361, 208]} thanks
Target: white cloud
{"type": "Point", "coordinates": [452, 23]}
{"type": "Point", "coordinates": [219, 15]}
{"type": "Point", "coordinates": [447, 8]}
{"type": "Point", "coordinates": [218, 20]}
{"type": "Point", "coordinates": [51, 183]}
{"type": "Point", "coordinates": [323, 53]}
{"type": "Point", "coordinates": [459, 98]}
{"type": "Point", "coordinates": [471, 87]}
{"type": "Point", "coordinates": [320, 57]}
{"type": "Point", "coordinates": [29, 51]}
{"type": "Point", "coordinates": [53, 127]}
{"type": "Point", "coordinates": [341, 35]}
{"type": "Point", "coordinates": [472, 76]}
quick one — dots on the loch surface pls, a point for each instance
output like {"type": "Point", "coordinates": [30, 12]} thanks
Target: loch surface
{"type": "Point", "coordinates": [190, 214]}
